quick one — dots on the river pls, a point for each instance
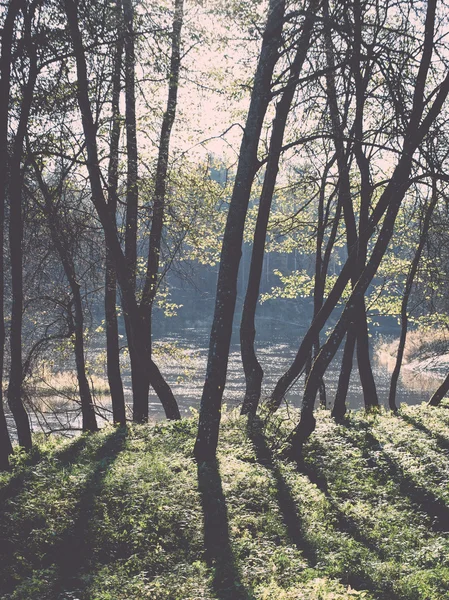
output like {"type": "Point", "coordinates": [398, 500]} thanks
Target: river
{"type": "Point", "coordinates": [182, 360]}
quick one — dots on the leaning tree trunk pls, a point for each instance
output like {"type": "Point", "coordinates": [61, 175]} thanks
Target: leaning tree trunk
{"type": "Point", "coordinates": [220, 337]}
{"type": "Point", "coordinates": [392, 196]}
{"type": "Point", "coordinates": [5, 82]}
{"type": "Point", "coordinates": [404, 304]}
{"type": "Point", "coordinates": [395, 191]}
{"type": "Point", "coordinates": [15, 391]}
{"type": "Point", "coordinates": [440, 393]}
{"type": "Point", "coordinates": [137, 340]}
{"type": "Point", "coordinates": [251, 365]}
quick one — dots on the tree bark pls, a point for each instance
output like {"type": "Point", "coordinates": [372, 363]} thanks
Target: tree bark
{"type": "Point", "coordinates": [15, 392]}
{"type": "Point", "coordinates": [251, 365]}
{"type": "Point", "coordinates": [5, 83]}
{"type": "Point", "coordinates": [160, 188]}
{"type": "Point", "coordinates": [220, 338]}
{"type": "Point", "coordinates": [110, 295]}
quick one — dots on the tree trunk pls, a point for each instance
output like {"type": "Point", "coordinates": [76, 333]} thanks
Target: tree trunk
{"type": "Point", "coordinates": [160, 188]}
{"type": "Point", "coordinates": [370, 397]}
{"type": "Point", "coordinates": [353, 240]}
{"type": "Point", "coordinates": [139, 377]}
{"type": "Point", "coordinates": [87, 405]}
{"type": "Point", "coordinates": [15, 392]}
{"type": "Point", "coordinates": [405, 298]}
{"type": "Point", "coordinates": [220, 338]}
{"type": "Point", "coordinates": [110, 294]}
{"type": "Point", "coordinates": [5, 79]}
{"type": "Point", "coordinates": [339, 408]}
{"type": "Point", "coordinates": [251, 365]}
{"type": "Point", "coordinates": [57, 235]}
{"type": "Point", "coordinates": [440, 393]}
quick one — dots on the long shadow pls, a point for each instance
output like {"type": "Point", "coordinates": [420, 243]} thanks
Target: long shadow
{"type": "Point", "coordinates": [361, 580]}
{"type": "Point", "coordinates": [12, 490]}
{"type": "Point", "coordinates": [74, 553]}
{"type": "Point", "coordinates": [65, 456]}
{"type": "Point", "coordinates": [70, 555]}
{"type": "Point", "coordinates": [423, 499]}
{"type": "Point", "coordinates": [345, 524]}
{"type": "Point", "coordinates": [226, 583]}
{"type": "Point", "coordinates": [442, 441]}
{"type": "Point", "coordinates": [295, 528]}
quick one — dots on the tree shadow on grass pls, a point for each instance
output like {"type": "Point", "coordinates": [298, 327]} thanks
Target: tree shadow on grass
{"type": "Point", "coordinates": [65, 456]}
{"type": "Point", "coordinates": [218, 552]}
{"type": "Point", "coordinates": [423, 499]}
{"type": "Point", "coordinates": [75, 551]}
{"type": "Point", "coordinates": [287, 504]}
{"type": "Point", "coordinates": [285, 498]}
{"type": "Point", "coordinates": [70, 555]}
{"type": "Point", "coordinates": [442, 441]}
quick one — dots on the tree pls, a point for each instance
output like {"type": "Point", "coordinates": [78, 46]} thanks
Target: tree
{"type": "Point", "coordinates": [137, 339]}
{"type": "Point", "coordinates": [390, 200]}
{"type": "Point", "coordinates": [59, 234]}
{"type": "Point", "coordinates": [16, 232]}
{"type": "Point", "coordinates": [251, 366]}
{"type": "Point", "coordinates": [220, 337]}
{"type": "Point", "coordinates": [5, 78]}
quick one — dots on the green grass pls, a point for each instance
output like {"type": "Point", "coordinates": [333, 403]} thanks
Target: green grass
{"type": "Point", "coordinates": [130, 515]}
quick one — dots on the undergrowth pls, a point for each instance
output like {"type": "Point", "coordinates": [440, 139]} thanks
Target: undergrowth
{"type": "Point", "coordinates": [128, 514]}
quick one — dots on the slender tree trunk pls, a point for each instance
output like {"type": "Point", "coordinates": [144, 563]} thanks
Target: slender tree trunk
{"type": "Point", "coordinates": [5, 79]}
{"type": "Point", "coordinates": [440, 393]}
{"type": "Point", "coordinates": [339, 408]}
{"type": "Point", "coordinates": [15, 392]}
{"type": "Point", "coordinates": [405, 298]}
{"type": "Point", "coordinates": [139, 377]}
{"type": "Point", "coordinates": [251, 365]}
{"type": "Point", "coordinates": [57, 235]}
{"type": "Point", "coordinates": [353, 240]}
{"type": "Point", "coordinates": [137, 341]}
{"type": "Point", "coordinates": [322, 261]}
{"type": "Point", "coordinates": [370, 396]}
{"type": "Point", "coordinates": [87, 405]}
{"type": "Point", "coordinates": [110, 295]}
{"type": "Point", "coordinates": [132, 194]}
{"type": "Point", "coordinates": [220, 338]}
{"type": "Point", "coordinates": [160, 188]}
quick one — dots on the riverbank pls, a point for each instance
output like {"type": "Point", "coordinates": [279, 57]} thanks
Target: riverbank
{"type": "Point", "coordinates": [128, 515]}
{"type": "Point", "coordinates": [426, 352]}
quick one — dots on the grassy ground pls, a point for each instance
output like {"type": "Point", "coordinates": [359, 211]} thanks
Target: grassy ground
{"type": "Point", "coordinates": [129, 515]}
